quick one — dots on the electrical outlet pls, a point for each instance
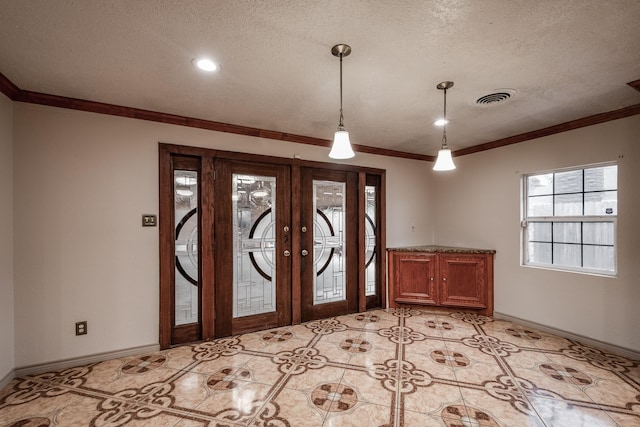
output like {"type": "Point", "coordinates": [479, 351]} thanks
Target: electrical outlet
{"type": "Point", "coordinates": [81, 328]}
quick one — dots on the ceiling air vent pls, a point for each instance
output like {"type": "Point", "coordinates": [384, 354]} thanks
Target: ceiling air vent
{"type": "Point", "coordinates": [499, 96]}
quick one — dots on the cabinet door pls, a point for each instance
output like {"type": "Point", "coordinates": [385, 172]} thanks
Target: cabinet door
{"type": "Point", "coordinates": [463, 280]}
{"type": "Point", "coordinates": [415, 278]}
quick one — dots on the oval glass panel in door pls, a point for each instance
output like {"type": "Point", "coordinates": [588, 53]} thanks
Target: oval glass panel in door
{"type": "Point", "coordinates": [254, 241]}
{"type": "Point", "coordinates": [186, 249]}
{"type": "Point", "coordinates": [329, 249]}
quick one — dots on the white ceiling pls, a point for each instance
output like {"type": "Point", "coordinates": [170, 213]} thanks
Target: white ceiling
{"type": "Point", "coordinates": [567, 59]}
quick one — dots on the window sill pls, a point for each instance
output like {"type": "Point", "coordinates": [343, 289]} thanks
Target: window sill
{"type": "Point", "coordinates": [597, 273]}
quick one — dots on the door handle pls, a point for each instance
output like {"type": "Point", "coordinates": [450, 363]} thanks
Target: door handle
{"type": "Point", "coordinates": [305, 252]}
{"type": "Point", "coordinates": [287, 253]}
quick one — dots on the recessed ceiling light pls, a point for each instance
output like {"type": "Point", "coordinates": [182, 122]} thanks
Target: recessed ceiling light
{"type": "Point", "coordinates": [441, 122]}
{"type": "Point", "coordinates": [205, 64]}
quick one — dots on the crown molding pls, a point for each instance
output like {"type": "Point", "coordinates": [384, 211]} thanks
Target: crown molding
{"type": "Point", "coordinates": [16, 94]}
{"type": "Point", "coordinates": [551, 130]}
{"type": "Point", "coordinates": [8, 88]}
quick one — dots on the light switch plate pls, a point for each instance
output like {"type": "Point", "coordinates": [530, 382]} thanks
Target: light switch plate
{"type": "Point", "coordinates": [149, 220]}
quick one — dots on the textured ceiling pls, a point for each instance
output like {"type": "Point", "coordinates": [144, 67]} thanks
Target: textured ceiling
{"type": "Point", "coordinates": [565, 59]}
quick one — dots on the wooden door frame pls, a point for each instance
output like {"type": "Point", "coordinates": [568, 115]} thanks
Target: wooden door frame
{"type": "Point", "coordinates": [166, 227]}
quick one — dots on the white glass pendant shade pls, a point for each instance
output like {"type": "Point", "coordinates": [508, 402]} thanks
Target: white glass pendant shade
{"type": "Point", "coordinates": [341, 148]}
{"type": "Point", "coordinates": [444, 162]}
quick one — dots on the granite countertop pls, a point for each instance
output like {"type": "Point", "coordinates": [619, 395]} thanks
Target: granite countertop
{"type": "Point", "coordinates": [442, 250]}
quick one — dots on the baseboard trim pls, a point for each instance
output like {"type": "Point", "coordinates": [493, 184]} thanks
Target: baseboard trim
{"type": "Point", "coordinates": [612, 348]}
{"type": "Point", "coordinates": [7, 378]}
{"type": "Point", "coordinates": [40, 368]}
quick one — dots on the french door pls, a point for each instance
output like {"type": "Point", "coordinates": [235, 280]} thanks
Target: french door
{"type": "Point", "coordinates": [253, 241]}
{"type": "Point", "coordinates": [329, 243]}
{"type": "Point", "coordinates": [249, 243]}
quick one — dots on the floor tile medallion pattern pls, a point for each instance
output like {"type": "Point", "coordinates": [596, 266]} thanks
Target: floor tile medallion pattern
{"type": "Point", "coordinates": [396, 367]}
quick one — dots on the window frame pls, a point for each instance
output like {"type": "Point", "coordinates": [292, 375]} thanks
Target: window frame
{"type": "Point", "coordinates": [579, 219]}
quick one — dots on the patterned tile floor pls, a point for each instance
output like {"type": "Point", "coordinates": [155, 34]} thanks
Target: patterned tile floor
{"type": "Point", "coordinates": [397, 367]}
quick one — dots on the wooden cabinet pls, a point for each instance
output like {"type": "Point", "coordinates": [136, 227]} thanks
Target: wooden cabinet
{"type": "Point", "coordinates": [443, 277]}
{"type": "Point", "coordinates": [416, 273]}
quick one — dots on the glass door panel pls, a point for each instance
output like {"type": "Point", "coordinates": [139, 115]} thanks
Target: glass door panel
{"type": "Point", "coordinates": [254, 242]}
{"type": "Point", "coordinates": [186, 247]}
{"type": "Point", "coordinates": [370, 240]}
{"type": "Point", "coordinates": [329, 249]}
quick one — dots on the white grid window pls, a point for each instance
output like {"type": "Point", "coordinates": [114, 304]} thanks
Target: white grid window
{"type": "Point", "coordinates": [569, 219]}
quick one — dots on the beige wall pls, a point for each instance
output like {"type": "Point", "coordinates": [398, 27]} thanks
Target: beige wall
{"type": "Point", "coordinates": [478, 205]}
{"type": "Point", "coordinates": [6, 237]}
{"type": "Point", "coordinates": [82, 182]}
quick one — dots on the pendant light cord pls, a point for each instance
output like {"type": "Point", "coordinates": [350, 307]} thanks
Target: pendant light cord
{"type": "Point", "coordinates": [341, 121]}
{"type": "Point", "coordinates": [444, 129]}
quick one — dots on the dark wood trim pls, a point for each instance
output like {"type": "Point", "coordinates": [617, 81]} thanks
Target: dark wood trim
{"type": "Point", "coordinates": [8, 88]}
{"type": "Point", "coordinates": [337, 166]}
{"type": "Point", "coordinates": [551, 130]}
{"type": "Point", "coordinates": [155, 116]}
{"type": "Point", "coordinates": [225, 258]}
{"type": "Point", "coordinates": [635, 84]}
{"type": "Point", "coordinates": [207, 258]}
{"type": "Point", "coordinates": [296, 245]}
{"type": "Point", "coordinates": [186, 333]}
{"type": "Point", "coordinates": [392, 153]}
{"type": "Point", "coordinates": [186, 150]}
{"type": "Point", "coordinates": [165, 223]}
{"type": "Point", "coordinates": [260, 158]}
{"type": "Point", "coordinates": [490, 260]}
{"type": "Point", "coordinates": [382, 231]}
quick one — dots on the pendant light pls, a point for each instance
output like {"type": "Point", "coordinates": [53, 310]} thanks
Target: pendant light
{"type": "Point", "coordinates": [444, 162]}
{"type": "Point", "coordinates": [341, 148]}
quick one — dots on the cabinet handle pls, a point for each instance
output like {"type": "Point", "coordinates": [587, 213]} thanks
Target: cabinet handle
{"type": "Point", "coordinates": [444, 279]}
{"type": "Point", "coordinates": [431, 279]}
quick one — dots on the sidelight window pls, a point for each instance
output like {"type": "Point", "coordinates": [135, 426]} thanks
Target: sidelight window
{"type": "Point", "coordinates": [186, 246]}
